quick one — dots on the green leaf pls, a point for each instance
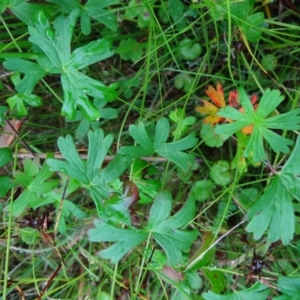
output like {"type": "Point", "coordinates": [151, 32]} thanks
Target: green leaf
{"type": "Point", "coordinates": [164, 231]}
{"type": "Point", "coordinates": [8, 4]}
{"type": "Point", "coordinates": [217, 281]}
{"type": "Point", "coordinates": [171, 151]}
{"type": "Point", "coordinates": [96, 11]}
{"type": "Point", "coordinates": [17, 101]}
{"type": "Point", "coordinates": [137, 9]}
{"type": "Point", "coordinates": [141, 136]}
{"type": "Point", "coordinates": [269, 101]}
{"type": "Point", "coordinates": [55, 43]}
{"type": "Point", "coordinates": [85, 22]}
{"type": "Point", "coordinates": [253, 27]}
{"type": "Point", "coordinates": [26, 11]}
{"type": "Point", "coordinates": [220, 173]}
{"type": "Point", "coordinates": [92, 9]}
{"type": "Point", "coordinates": [258, 118]}
{"type": "Point", "coordinates": [125, 239]}
{"type": "Point", "coordinates": [74, 166]}
{"type": "Point", "coordinates": [269, 62]}
{"type": "Point", "coordinates": [90, 54]}
{"type": "Point", "coordinates": [173, 240]}
{"type": "Point", "coordinates": [157, 214]}
{"type": "Point", "coordinates": [29, 235]}
{"type": "Point", "coordinates": [161, 132]}
{"type": "Point", "coordinates": [89, 173]}
{"type": "Point", "coordinates": [36, 183]}
{"type": "Point", "coordinates": [3, 110]}
{"type": "Point", "coordinates": [274, 209]}
{"type": "Point", "coordinates": [210, 138]}
{"type": "Point", "coordinates": [183, 124]}
{"type": "Point", "coordinates": [5, 156]}
{"type": "Point", "coordinates": [184, 81]}
{"type": "Point", "coordinates": [95, 157]}
{"type": "Point", "coordinates": [238, 10]}
{"type": "Point", "coordinates": [202, 190]}
{"type": "Point", "coordinates": [6, 184]}
{"type": "Point", "coordinates": [130, 49]}
{"type": "Point", "coordinates": [257, 291]}
{"type": "Point", "coordinates": [33, 73]}
{"type": "Point", "coordinates": [189, 50]}
{"type": "Point", "coordinates": [177, 11]}
{"type": "Point", "coordinates": [289, 285]}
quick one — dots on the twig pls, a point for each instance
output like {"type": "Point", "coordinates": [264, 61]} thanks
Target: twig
{"type": "Point", "coordinates": [84, 156]}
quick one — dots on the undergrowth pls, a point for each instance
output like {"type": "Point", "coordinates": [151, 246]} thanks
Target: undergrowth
{"type": "Point", "coordinates": [149, 149]}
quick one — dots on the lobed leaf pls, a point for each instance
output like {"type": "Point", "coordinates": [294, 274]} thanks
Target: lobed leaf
{"type": "Point", "coordinates": [125, 239]}
{"type": "Point", "coordinates": [270, 100]}
{"type": "Point", "coordinates": [91, 53]}
{"type": "Point", "coordinates": [274, 209]}
{"type": "Point", "coordinates": [165, 231]}
{"type": "Point", "coordinates": [140, 135]}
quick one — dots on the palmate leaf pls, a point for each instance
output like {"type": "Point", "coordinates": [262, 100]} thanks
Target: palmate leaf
{"type": "Point", "coordinates": [172, 151]}
{"type": "Point", "coordinates": [91, 9]}
{"type": "Point", "coordinates": [36, 182]}
{"type": "Point", "coordinates": [55, 42]}
{"type": "Point", "coordinates": [270, 100]}
{"type": "Point", "coordinates": [166, 231]}
{"type": "Point", "coordinates": [89, 172]}
{"type": "Point", "coordinates": [274, 210]}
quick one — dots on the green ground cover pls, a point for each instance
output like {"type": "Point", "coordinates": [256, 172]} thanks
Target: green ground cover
{"type": "Point", "coordinates": [149, 149]}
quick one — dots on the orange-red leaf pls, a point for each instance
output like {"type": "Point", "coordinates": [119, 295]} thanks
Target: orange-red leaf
{"type": "Point", "coordinates": [210, 110]}
{"type": "Point", "coordinates": [216, 95]}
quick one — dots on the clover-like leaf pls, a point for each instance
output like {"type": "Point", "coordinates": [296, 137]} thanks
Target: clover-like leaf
{"type": "Point", "coordinates": [182, 122]}
{"type": "Point", "coordinates": [130, 49]}
{"type": "Point", "coordinates": [189, 50]}
{"type": "Point", "coordinates": [210, 138]}
{"type": "Point", "coordinates": [184, 81]}
{"type": "Point", "coordinates": [261, 124]}
{"type": "Point", "coordinates": [138, 9]}
{"type": "Point", "coordinates": [220, 172]}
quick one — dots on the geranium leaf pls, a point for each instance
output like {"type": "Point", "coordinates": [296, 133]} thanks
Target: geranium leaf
{"type": "Point", "coordinates": [164, 230]}
{"type": "Point", "coordinates": [171, 151]}
{"type": "Point", "coordinates": [274, 209]}
{"type": "Point", "coordinates": [55, 42]}
{"type": "Point", "coordinates": [36, 183]}
{"type": "Point", "coordinates": [257, 118]}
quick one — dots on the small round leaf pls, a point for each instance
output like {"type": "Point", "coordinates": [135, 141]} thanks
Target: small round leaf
{"type": "Point", "coordinates": [189, 50]}
{"type": "Point", "coordinates": [220, 172]}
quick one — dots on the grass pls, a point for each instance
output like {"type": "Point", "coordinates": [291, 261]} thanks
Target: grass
{"type": "Point", "coordinates": [154, 81]}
